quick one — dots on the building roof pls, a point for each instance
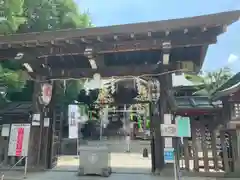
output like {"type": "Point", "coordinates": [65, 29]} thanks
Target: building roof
{"type": "Point", "coordinates": [17, 108]}
{"type": "Point", "coordinates": [191, 102]}
{"type": "Point", "coordinates": [224, 18]}
{"type": "Point", "coordinates": [120, 50]}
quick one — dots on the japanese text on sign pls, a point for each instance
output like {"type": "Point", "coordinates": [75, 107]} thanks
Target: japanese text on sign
{"type": "Point", "coordinates": [168, 130]}
{"type": "Point", "coordinates": [18, 142]}
{"type": "Point", "coordinates": [168, 155]}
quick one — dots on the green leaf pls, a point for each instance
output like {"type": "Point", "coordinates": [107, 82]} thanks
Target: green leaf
{"type": "Point", "coordinates": [23, 16]}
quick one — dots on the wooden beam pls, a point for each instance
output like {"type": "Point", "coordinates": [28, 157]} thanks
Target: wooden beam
{"type": "Point", "coordinates": [124, 46]}
{"type": "Point", "coordinates": [46, 51]}
{"type": "Point", "coordinates": [136, 45]}
{"type": "Point", "coordinates": [43, 51]}
{"type": "Point", "coordinates": [77, 47]}
{"type": "Point", "coordinates": [105, 72]}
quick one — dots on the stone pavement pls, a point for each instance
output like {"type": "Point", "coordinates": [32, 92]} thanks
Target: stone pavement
{"type": "Point", "coordinates": [120, 163]}
{"type": "Point", "coordinates": [124, 165]}
{"type": "Point", "coordinates": [70, 175]}
{"type": "Point", "coordinates": [53, 175]}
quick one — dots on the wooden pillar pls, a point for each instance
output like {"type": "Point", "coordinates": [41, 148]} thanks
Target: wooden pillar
{"type": "Point", "coordinates": [45, 136]}
{"type": "Point", "coordinates": [163, 108]}
{"type": "Point", "coordinates": [33, 150]}
{"type": "Point", "coordinates": [37, 140]}
{"type": "Point", "coordinates": [50, 147]}
{"type": "Point", "coordinates": [237, 150]}
{"type": "Point", "coordinates": [157, 143]}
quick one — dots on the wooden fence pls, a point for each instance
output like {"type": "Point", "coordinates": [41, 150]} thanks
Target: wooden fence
{"type": "Point", "coordinates": [208, 151]}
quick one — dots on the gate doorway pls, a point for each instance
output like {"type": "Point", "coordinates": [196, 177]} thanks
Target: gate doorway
{"type": "Point", "coordinates": [63, 150]}
{"type": "Point", "coordinates": [112, 125]}
{"type": "Point", "coordinates": [127, 131]}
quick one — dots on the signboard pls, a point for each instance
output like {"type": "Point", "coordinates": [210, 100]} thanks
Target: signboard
{"type": "Point", "coordinates": [183, 126]}
{"type": "Point", "coordinates": [36, 119]}
{"type": "Point", "coordinates": [18, 141]}
{"type": "Point", "coordinates": [168, 130]}
{"type": "Point", "coordinates": [169, 155]}
{"type": "Point", "coordinates": [167, 118]}
{"type": "Point", "coordinates": [73, 116]}
{"type": "Point", "coordinates": [5, 130]}
{"type": "Point", "coordinates": [168, 142]}
{"type": "Point", "coordinates": [46, 122]}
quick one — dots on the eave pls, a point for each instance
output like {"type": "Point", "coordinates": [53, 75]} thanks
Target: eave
{"type": "Point", "coordinates": [101, 33]}
{"type": "Point", "coordinates": [184, 33]}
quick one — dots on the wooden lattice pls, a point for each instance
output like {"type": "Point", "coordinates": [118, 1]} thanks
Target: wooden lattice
{"type": "Point", "coordinates": [236, 112]}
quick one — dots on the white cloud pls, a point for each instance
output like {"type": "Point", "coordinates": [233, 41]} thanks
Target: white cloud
{"type": "Point", "coordinates": [232, 58]}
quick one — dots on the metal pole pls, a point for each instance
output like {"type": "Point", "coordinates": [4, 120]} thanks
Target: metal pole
{"type": "Point", "coordinates": [77, 147]}
{"type": "Point", "coordinates": [175, 167]}
{"type": "Point", "coordinates": [25, 167]}
{"type": "Point", "coordinates": [101, 126]}
{"type": "Point", "coordinates": [126, 129]}
{"type": "Point", "coordinates": [176, 160]}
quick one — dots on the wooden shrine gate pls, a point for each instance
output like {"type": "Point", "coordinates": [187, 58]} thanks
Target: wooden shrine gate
{"type": "Point", "coordinates": [143, 50]}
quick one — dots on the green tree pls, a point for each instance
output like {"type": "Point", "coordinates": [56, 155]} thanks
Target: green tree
{"type": "Point", "coordinates": [67, 91]}
{"type": "Point", "coordinates": [45, 15]}
{"type": "Point", "coordinates": [11, 79]}
{"type": "Point", "coordinates": [211, 80]}
{"type": "Point", "coordinates": [11, 15]}
{"type": "Point", "coordinates": [37, 16]}
{"type": "Point", "coordinates": [52, 15]}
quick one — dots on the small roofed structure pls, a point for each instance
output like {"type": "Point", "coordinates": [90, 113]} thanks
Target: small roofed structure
{"type": "Point", "coordinates": [229, 94]}
{"type": "Point", "coordinates": [12, 113]}
{"type": "Point", "coordinates": [16, 112]}
{"type": "Point", "coordinates": [195, 106]}
{"type": "Point", "coordinates": [130, 49]}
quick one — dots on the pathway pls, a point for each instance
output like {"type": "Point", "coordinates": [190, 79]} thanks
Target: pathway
{"type": "Point", "coordinates": [53, 175]}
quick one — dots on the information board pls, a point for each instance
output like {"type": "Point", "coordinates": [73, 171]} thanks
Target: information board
{"type": "Point", "coordinates": [73, 115]}
{"type": "Point", "coordinates": [18, 141]}
{"type": "Point", "coordinates": [169, 155]}
{"type": "Point", "coordinates": [168, 130]}
{"type": "Point", "coordinates": [183, 126]}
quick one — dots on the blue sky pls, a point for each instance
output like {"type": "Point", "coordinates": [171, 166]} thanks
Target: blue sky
{"type": "Point", "coordinates": [112, 12]}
